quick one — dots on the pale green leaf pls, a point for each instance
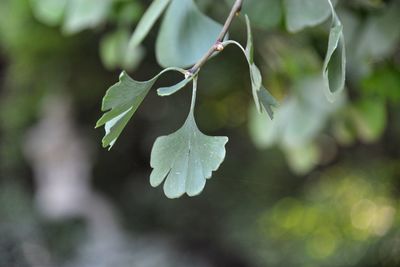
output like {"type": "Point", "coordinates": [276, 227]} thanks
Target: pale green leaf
{"type": "Point", "coordinates": [116, 53]}
{"type": "Point", "coordinates": [185, 35]}
{"type": "Point", "coordinates": [147, 21]}
{"type": "Point", "coordinates": [49, 11]}
{"type": "Point", "coordinates": [267, 101]}
{"type": "Point", "coordinates": [298, 120]}
{"type": "Point", "coordinates": [186, 158]}
{"type": "Point", "coordinates": [334, 69]}
{"type": "Point", "coordinates": [121, 102]}
{"type": "Point", "coordinates": [305, 13]}
{"type": "Point", "coordinates": [370, 119]}
{"type": "Point", "coordinates": [84, 14]}
{"type": "Point", "coordinates": [303, 159]}
{"type": "Point", "coordinates": [167, 91]}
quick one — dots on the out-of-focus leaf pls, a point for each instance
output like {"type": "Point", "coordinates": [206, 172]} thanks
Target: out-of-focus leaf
{"type": "Point", "coordinates": [303, 159]}
{"type": "Point", "coordinates": [152, 14]}
{"type": "Point", "coordinates": [185, 35]}
{"type": "Point", "coordinates": [383, 83]}
{"type": "Point", "coordinates": [186, 158]}
{"type": "Point", "coordinates": [115, 52]}
{"type": "Point", "coordinates": [84, 14]}
{"type": "Point", "coordinates": [305, 13]}
{"type": "Point", "coordinates": [334, 69]}
{"type": "Point", "coordinates": [299, 118]}
{"type": "Point", "coordinates": [369, 117]}
{"type": "Point", "coordinates": [49, 11]}
{"type": "Point", "coordinates": [121, 102]}
{"type": "Point", "coordinates": [380, 35]}
{"type": "Point", "coordinates": [262, 98]}
{"type": "Point", "coordinates": [264, 14]}
{"type": "Point", "coordinates": [298, 121]}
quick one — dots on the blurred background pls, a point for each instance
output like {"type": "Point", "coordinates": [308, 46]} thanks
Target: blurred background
{"type": "Point", "coordinates": [318, 186]}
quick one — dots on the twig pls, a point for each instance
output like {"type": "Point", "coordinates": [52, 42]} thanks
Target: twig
{"type": "Point", "coordinates": [218, 45]}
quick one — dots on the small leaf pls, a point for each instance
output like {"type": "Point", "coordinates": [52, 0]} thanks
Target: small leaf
{"type": "Point", "coordinates": [262, 98]}
{"type": "Point", "coordinates": [305, 13]}
{"type": "Point", "coordinates": [49, 11]}
{"type": "Point", "coordinates": [84, 14]}
{"type": "Point", "coordinates": [334, 70]}
{"type": "Point", "coordinates": [267, 101]}
{"type": "Point", "coordinates": [148, 20]}
{"type": "Point", "coordinates": [186, 158]}
{"type": "Point", "coordinates": [121, 102]}
{"type": "Point", "coordinates": [167, 91]}
{"type": "Point", "coordinates": [185, 35]}
{"type": "Point", "coordinates": [115, 52]}
{"type": "Point", "coordinates": [369, 118]}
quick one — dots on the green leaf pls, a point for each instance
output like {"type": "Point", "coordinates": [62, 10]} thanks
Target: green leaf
{"type": "Point", "coordinates": [186, 158]}
{"type": "Point", "coordinates": [298, 120]}
{"type": "Point", "coordinates": [380, 35]}
{"type": "Point", "coordinates": [334, 69]}
{"type": "Point", "coordinates": [262, 98]}
{"type": "Point", "coordinates": [148, 20]}
{"type": "Point", "coordinates": [167, 91]}
{"type": "Point", "coordinates": [84, 14]}
{"type": "Point", "coordinates": [264, 14]}
{"type": "Point", "coordinates": [121, 102]}
{"type": "Point", "coordinates": [370, 119]}
{"type": "Point", "coordinates": [305, 13]}
{"type": "Point", "coordinates": [185, 35]}
{"type": "Point", "coordinates": [49, 11]}
{"type": "Point", "coordinates": [303, 159]}
{"type": "Point", "coordinates": [267, 101]}
{"type": "Point", "coordinates": [116, 53]}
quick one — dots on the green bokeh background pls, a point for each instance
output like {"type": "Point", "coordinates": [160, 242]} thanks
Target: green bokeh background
{"type": "Point", "coordinates": [323, 190]}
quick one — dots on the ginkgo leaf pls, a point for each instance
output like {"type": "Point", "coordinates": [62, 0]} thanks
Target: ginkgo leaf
{"type": "Point", "coordinates": [334, 70]}
{"type": "Point", "coordinates": [147, 21]}
{"type": "Point", "coordinates": [167, 91]}
{"type": "Point", "coordinates": [185, 35]}
{"type": "Point", "coordinates": [83, 14]}
{"type": "Point", "coordinates": [186, 158]}
{"type": "Point", "coordinates": [267, 101]}
{"type": "Point", "coordinates": [262, 98]}
{"type": "Point", "coordinates": [49, 11]}
{"type": "Point", "coordinates": [305, 13]}
{"type": "Point", "coordinates": [121, 102]}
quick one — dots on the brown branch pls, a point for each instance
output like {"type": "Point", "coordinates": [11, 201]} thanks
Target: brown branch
{"type": "Point", "coordinates": [237, 6]}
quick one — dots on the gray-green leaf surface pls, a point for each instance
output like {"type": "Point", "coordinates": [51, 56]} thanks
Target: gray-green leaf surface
{"type": "Point", "coordinates": [121, 102]}
{"type": "Point", "coordinates": [185, 35]}
{"type": "Point", "coordinates": [334, 69]}
{"type": "Point", "coordinates": [186, 158]}
{"type": "Point", "coordinates": [305, 13]}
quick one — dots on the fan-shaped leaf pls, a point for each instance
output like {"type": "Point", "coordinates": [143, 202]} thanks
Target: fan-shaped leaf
{"type": "Point", "coordinates": [186, 158]}
{"type": "Point", "coordinates": [185, 35]}
{"type": "Point", "coordinates": [83, 14]}
{"type": "Point", "coordinates": [305, 13]}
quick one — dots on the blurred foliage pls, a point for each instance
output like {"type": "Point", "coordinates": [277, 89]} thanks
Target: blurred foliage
{"type": "Point", "coordinates": [318, 186]}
